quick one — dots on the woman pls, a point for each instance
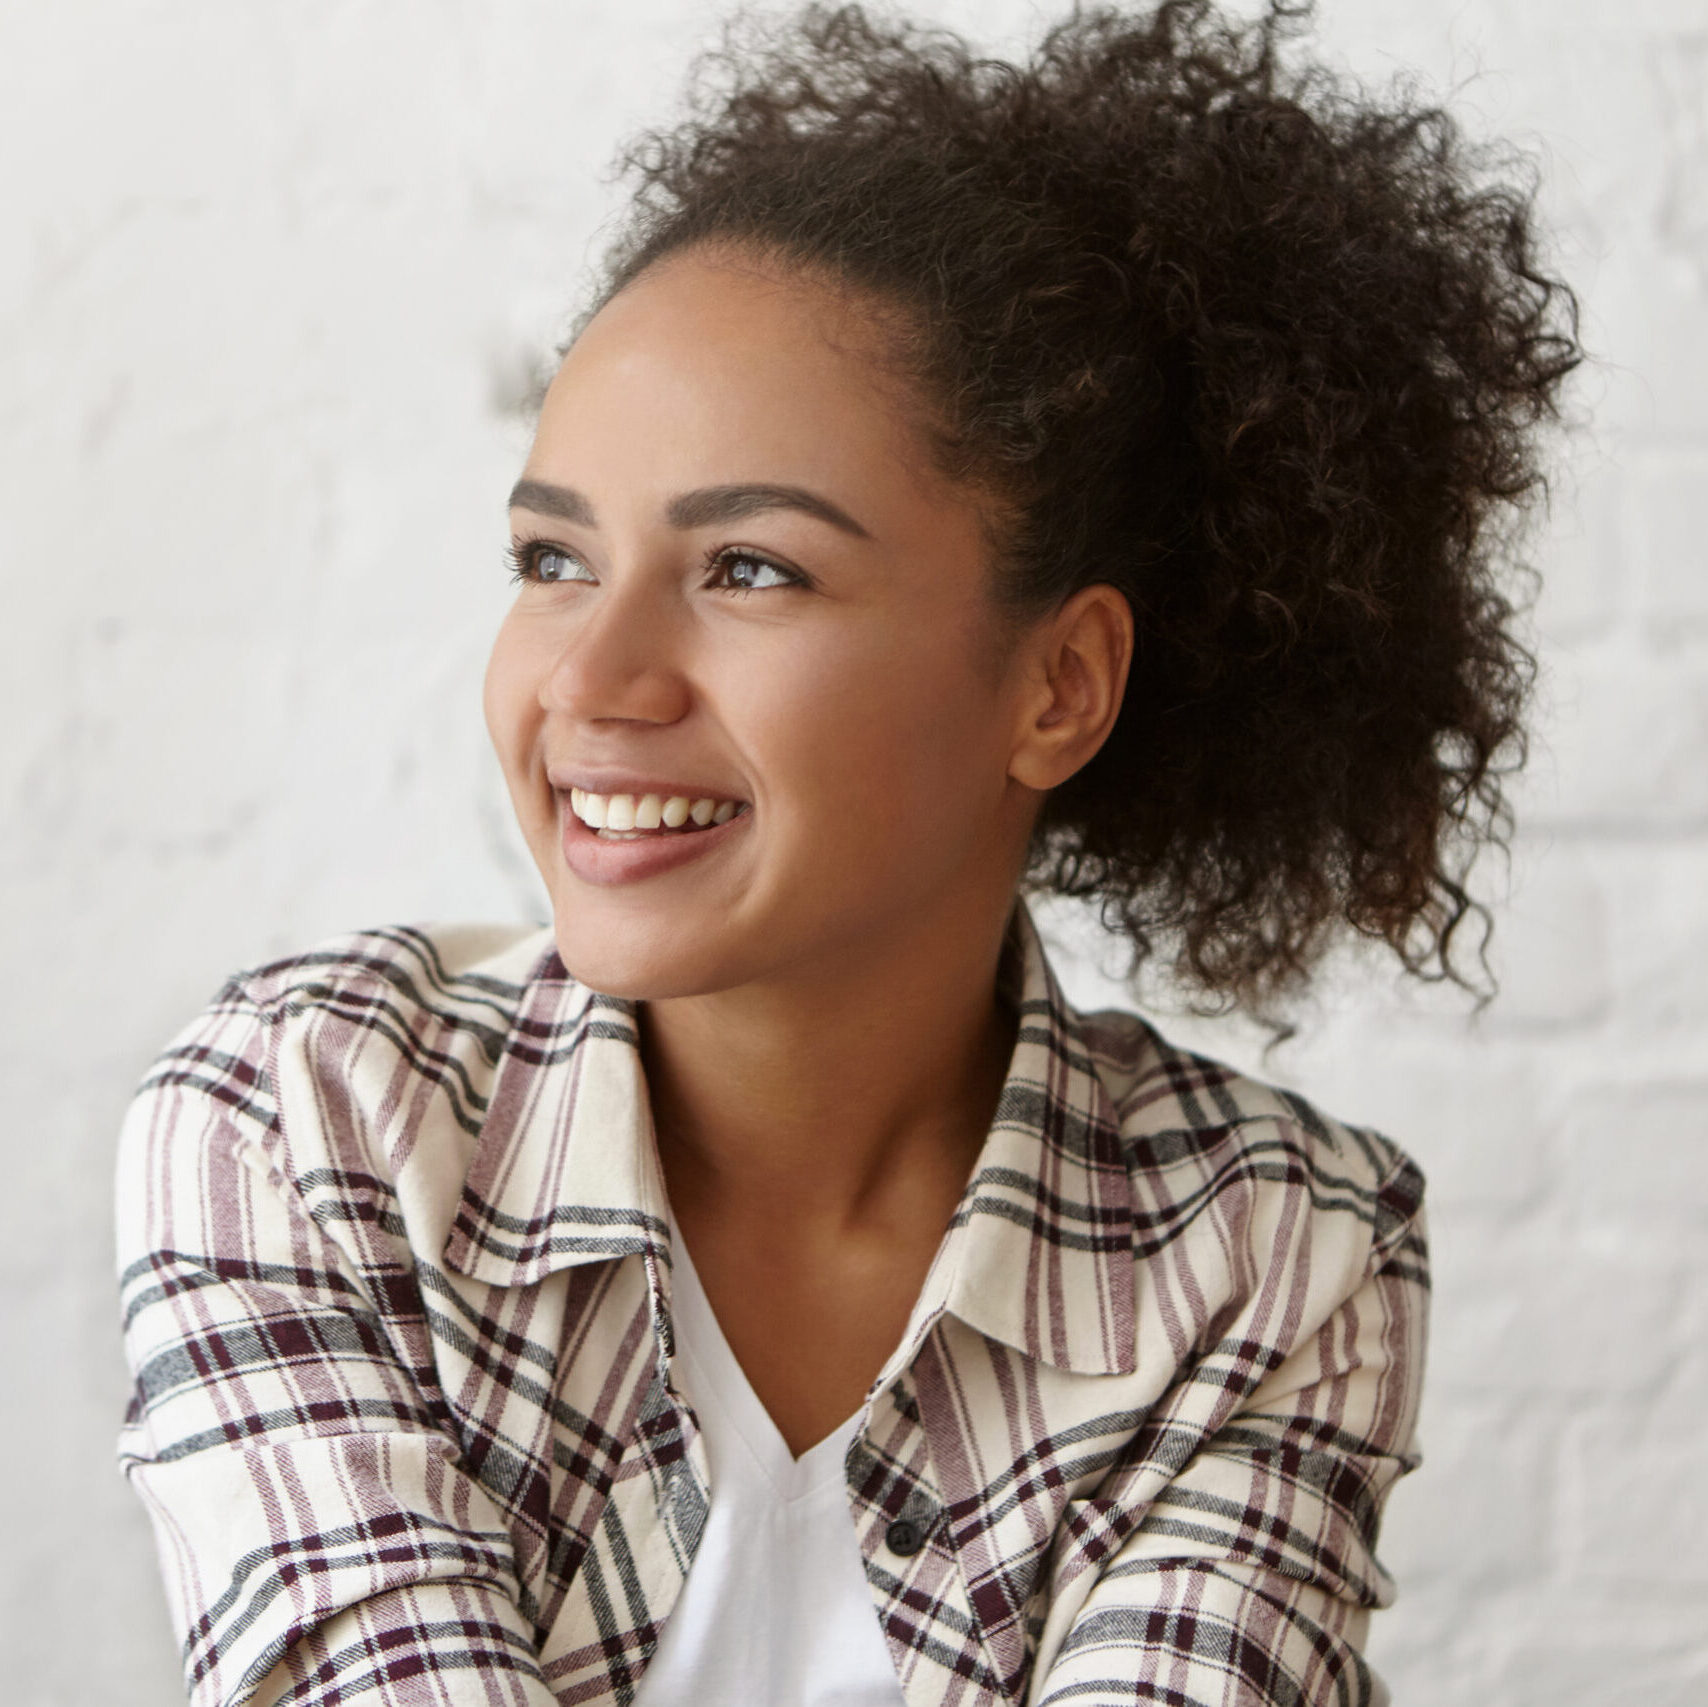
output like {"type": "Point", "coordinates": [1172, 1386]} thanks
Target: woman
{"type": "Point", "coordinates": [969, 480]}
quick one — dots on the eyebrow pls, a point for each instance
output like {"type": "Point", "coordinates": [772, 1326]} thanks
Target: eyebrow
{"type": "Point", "coordinates": [699, 508]}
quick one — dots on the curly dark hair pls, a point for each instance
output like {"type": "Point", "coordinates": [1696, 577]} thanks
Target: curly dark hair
{"type": "Point", "coordinates": [1261, 350]}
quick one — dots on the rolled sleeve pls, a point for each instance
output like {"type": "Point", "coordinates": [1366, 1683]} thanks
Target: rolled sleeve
{"type": "Point", "coordinates": [317, 1538]}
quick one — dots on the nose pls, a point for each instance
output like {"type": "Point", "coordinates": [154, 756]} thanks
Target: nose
{"type": "Point", "coordinates": [620, 660]}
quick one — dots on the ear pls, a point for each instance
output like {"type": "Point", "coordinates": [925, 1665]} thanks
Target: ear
{"type": "Point", "coordinates": [1075, 677]}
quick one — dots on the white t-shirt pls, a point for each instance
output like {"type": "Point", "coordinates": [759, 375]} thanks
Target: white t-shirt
{"type": "Point", "coordinates": [775, 1611]}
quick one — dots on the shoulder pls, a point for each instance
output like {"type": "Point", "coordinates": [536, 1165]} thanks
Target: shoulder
{"type": "Point", "coordinates": [350, 1026]}
{"type": "Point", "coordinates": [461, 974]}
{"type": "Point", "coordinates": [1214, 1152]}
{"type": "Point", "coordinates": [394, 980]}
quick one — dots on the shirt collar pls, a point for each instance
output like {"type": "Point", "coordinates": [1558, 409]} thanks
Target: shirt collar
{"type": "Point", "coordinates": [1038, 1255]}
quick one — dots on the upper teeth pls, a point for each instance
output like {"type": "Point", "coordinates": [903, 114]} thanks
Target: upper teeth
{"type": "Point", "coordinates": [647, 811]}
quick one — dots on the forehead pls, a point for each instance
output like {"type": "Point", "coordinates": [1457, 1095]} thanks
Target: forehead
{"type": "Point", "coordinates": [714, 354]}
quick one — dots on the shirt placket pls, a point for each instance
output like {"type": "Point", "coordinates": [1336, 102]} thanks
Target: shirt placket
{"type": "Point", "coordinates": [904, 1531]}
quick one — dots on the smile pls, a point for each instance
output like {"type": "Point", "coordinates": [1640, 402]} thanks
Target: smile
{"type": "Point", "coordinates": [627, 816]}
{"type": "Point", "coordinates": [629, 838]}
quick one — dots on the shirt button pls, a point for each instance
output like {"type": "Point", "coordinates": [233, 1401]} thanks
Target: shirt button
{"type": "Point", "coordinates": [905, 1536]}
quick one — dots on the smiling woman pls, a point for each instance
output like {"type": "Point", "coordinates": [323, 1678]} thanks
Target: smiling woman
{"type": "Point", "coordinates": [969, 480]}
{"type": "Point", "coordinates": [743, 581]}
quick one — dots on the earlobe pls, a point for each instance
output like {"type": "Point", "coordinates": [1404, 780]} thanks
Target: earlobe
{"type": "Point", "coordinates": [1079, 674]}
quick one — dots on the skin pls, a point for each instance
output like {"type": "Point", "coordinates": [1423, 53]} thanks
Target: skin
{"type": "Point", "coordinates": [820, 1030]}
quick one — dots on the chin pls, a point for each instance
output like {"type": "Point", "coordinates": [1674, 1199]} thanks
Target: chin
{"type": "Point", "coordinates": [618, 960]}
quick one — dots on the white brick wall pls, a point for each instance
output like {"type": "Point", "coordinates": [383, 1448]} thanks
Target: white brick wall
{"type": "Point", "coordinates": [269, 277]}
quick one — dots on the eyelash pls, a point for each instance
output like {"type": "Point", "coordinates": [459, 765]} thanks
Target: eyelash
{"type": "Point", "coordinates": [524, 556]}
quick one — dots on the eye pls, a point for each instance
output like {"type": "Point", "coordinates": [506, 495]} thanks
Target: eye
{"type": "Point", "coordinates": [743, 572]}
{"type": "Point", "coordinates": [537, 561]}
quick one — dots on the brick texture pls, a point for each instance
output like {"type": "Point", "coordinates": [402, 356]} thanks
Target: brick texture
{"type": "Point", "coordinates": [273, 279]}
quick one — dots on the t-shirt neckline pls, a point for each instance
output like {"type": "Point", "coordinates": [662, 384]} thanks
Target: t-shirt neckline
{"type": "Point", "coordinates": [721, 1380]}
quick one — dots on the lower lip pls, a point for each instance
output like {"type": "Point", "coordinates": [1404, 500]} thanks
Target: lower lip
{"type": "Point", "coordinates": [595, 860]}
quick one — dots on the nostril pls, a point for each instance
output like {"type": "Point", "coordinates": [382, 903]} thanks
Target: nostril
{"type": "Point", "coordinates": [607, 678]}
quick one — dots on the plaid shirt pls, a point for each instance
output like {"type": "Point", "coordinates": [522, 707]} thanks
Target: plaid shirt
{"type": "Point", "coordinates": [396, 1281]}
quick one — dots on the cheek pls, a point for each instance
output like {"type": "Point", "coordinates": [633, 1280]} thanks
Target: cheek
{"type": "Point", "coordinates": [509, 695]}
{"type": "Point", "coordinates": [881, 739]}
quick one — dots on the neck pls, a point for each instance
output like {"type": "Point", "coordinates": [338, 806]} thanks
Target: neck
{"type": "Point", "coordinates": [830, 1103]}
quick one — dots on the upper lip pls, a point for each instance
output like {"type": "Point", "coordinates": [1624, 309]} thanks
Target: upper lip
{"type": "Point", "coordinates": [592, 780]}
